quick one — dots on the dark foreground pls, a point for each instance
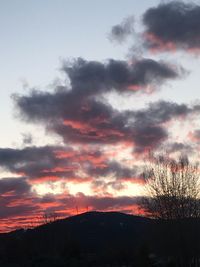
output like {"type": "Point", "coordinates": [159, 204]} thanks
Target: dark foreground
{"type": "Point", "coordinates": [103, 239]}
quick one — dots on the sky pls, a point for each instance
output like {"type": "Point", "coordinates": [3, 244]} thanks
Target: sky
{"type": "Point", "coordinates": [88, 89]}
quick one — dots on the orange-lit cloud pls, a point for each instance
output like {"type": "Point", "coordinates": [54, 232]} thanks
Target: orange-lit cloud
{"type": "Point", "coordinates": [61, 206]}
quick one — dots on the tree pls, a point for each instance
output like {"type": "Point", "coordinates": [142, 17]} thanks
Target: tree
{"type": "Point", "coordinates": [173, 188]}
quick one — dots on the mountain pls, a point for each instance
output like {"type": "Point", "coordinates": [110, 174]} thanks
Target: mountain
{"type": "Point", "coordinates": [95, 229]}
{"type": "Point", "coordinates": [89, 237]}
{"type": "Point", "coordinates": [103, 239]}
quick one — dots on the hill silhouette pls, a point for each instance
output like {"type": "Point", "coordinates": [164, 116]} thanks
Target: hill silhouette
{"type": "Point", "coordinates": [95, 229]}
{"type": "Point", "coordinates": [102, 239]}
{"type": "Point", "coordinates": [92, 237]}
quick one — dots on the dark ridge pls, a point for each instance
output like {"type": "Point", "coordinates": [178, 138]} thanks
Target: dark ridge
{"type": "Point", "coordinates": [87, 237]}
{"type": "Point", "coordinates": [102, 239]}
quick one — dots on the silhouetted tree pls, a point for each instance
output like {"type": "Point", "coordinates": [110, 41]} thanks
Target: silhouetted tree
{"type": "Point", "coordinates": [173, 188]}
{"type": "Point", "coordinates": [173, 193]}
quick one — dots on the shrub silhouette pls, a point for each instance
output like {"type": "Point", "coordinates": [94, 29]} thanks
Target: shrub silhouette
{"type": "Point", "coordinates": [173, 188]}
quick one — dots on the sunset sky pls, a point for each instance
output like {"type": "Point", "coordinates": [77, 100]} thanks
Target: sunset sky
{"type": "Point", "coordinates": [88, 88]}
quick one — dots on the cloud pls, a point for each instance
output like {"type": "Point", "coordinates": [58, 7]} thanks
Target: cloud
{"type": "Point", "coordinates": [112, 174]}
{"type": "Point", "coordinates": [144, 129]}
{"type": "Point", "coordinates": [163, 111]}
{"type": "Point", "coordinates": [81, 203]}
{"type": "Point", "coordinates": [14, 186]}
{"type": "Point", "coordinates": [91, 121]}
{"type": "Point", "coordinates": [97, 122]}
{"type": "Point", "coordinates": [122, 31]}
{"type": "Point", "coordinates": [178, 147]}
{"type": "Point", "coordinates": [37, 162]}
{"type": "Point", "coordinates": [92, 77]}
{"type": "Point", "coordinates": [106, 203]}
{"type": "Point", "coordinates": [173, 25]}
{"type": "Point", "coordinates": [27, 139]}
{"type": "Point", "coordinates": [11, 212]}
{"type": "Point", "coordinates": [27, 211]}
{"type": "Point", "coordinates": [78, 112]}
{"type": "Point", "coordinates": [15, 197]}
{"type": "Point", "coordinates": [60, 164]}
{"type": "Point", "coordinates": [148, 124]}
{"type": "Point", "coordinates": [111, 168]}
{"type": "Point", "coordinates": [149, 138]}
{"type": "Point", "coordinates": [195, 136]}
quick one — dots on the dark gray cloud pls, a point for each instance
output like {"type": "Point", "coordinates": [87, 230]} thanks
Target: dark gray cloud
{"type": "Point", "coordinates": [97, 123]}
{"type": "Point", "coordinates": [42, 106]}
{"type": "Point", "coordinates": [37, 162]}
{"type": "Point", "coordinates": [16, 185]}
{"type": "Point", "coordinates": [78, 114]}
{"type": "Point", "coordinates": [15, 197]}
{"type": "Point", "coordinates": [111, 168]}
{"type": "Point", "coordinates": [87, 120]}
{"type": "Point", "coordinates": [178, 147]}
{"type": "Point", "coordinates": [111, 203]}
{"type": "Point", "coordinates": [173, 25]}
{"type": "Point", "coordinates": [147, 124]}
{"type": "Point", "coordinates": [57, 162]}
{"type": "Point", "coordinates": [11, 211]}
{"type": "Point", "coordinates": [27, 138]}
{"type": "Point", "coordinates": [117, 173]}
{"type": "Point", "coordinates": [101, 203]}
{"type": "Point", "coordinates": [121, 31]}
{"type": "Point", "coordinates": [100, 123]}
{"type": "Point", "coordinates": [163, 111]}
{"type": "Point", "coordinates": [93, 77]}
{"type": "Point", "coordinates": [149, 137]}
{"type": "Point", "coordinates": [143, 127]}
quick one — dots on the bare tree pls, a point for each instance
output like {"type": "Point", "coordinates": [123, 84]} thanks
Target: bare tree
{"type": "Point", "coordinates": [172, 188]}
